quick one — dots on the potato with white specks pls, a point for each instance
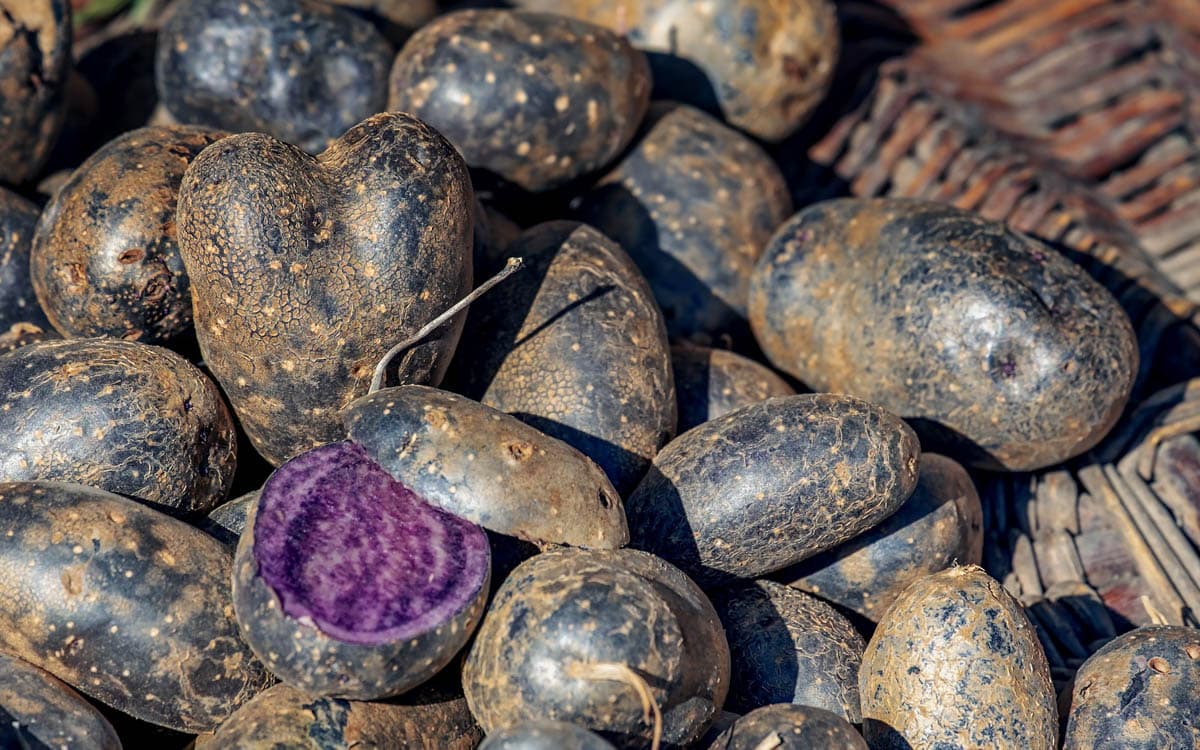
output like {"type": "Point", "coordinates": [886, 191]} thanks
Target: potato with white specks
{"type": "Point", "coordinates": [37, 710]}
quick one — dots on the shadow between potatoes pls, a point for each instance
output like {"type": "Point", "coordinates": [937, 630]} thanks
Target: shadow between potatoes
{"type": "Point", "coordinates": [764, 647]}
{"type": "Point", "coordinates": [679, 79]}
{"type": "Point", "coordinates": [670, 534]}
{"type": "Point", "coordinates": [135, 733]}
{"type": "Point", "coordinates": [884, 736]}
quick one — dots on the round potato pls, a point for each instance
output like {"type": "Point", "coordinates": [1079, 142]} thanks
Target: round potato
{"type": "Point", "coordinates": [789, 727]}
{"type": "Point", "coordinates": [544, 735]}
{"type": "Point", "coordinates": [710, 383]}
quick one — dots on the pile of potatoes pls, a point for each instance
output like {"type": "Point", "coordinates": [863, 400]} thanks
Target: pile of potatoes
{"type": "Point", "coordinates": [697, 471]}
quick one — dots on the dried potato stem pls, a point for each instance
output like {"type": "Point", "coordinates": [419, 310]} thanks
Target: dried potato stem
{"type": "Point", "coordinates": [622, 673]}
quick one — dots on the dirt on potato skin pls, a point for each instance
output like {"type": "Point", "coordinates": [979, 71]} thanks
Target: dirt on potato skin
{"type": "Point", "coordinates": [37, 710]}
{"type": "Point", "coordinates": [544, 735]}
{"type": "Point", "coordinates": [789, 727]}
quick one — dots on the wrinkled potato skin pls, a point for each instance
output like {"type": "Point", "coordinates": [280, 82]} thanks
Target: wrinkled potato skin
{"type": "Point", "coordinates": [710, 383]}
{"type": "Point", "coordinates": [284, 718]}
{"type": "Point", "coordinates": [124, 417]}
{"type": "Point", "coordinates": [1011, 356]}
{"type": "Point", "coordinates": [544, 735]}
{"type": "Point", "coordinates": [18, 303]}
{"type": "Point", "coordinates": [956, 663]}
{"type": "Point", "coordinates": [789, 727]}
{"type": "Point", "coordinates": [306, 271]}
{"type": "Point", "coordinates": [105, 261]}
{"type": "Point", "coordinates": [123, 603]}
{"type": "Point", "coordinates": [694, 203]}
{"type": "Point", "coordinates": [789, 647]}
{"type": "Point", "coordinates": [538, 99]}
{"type": "Point", "coordinates": [1138, 693]}
{"type": "Point", "coordinates": [35, 59]}
{"type": "Point", "coordinates": [40, 711]}
{"type": "Point", "coordinates": [582, 607]}
{"type": "Point", "coordinates": [771, 484]}
{"type": "Point", "coordinates": [490, 468]}
{"type": "Point", "coordinates": [939, 526]}
{"type": "Point", "coordinates": [574, 345]}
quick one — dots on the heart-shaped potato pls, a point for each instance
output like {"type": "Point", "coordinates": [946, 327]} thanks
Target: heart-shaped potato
{"type": "Point", "coordinates": [305, 270]}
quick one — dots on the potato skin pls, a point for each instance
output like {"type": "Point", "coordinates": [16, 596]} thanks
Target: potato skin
{"type": "Point", "coordinates": [710, 383]}
{"type": "Point", "coordinates": [940, 525]}
{"type": "Point", "coordinates": [584, 607]}
{"type": "Point", "coordinates": [228, 520]}
{"type": "Point", "coordinates": [544, 735]}
{"type": "Point", "coordinates": [124, 603]}
{"type": "Point", "coordinates": [1138, 692]}
{"type": "Point", "coordinates": [40, 711]}
{"type": "Point", "coordinates": [694, 202]}
{"type": "Point", "coordinates": [537, 99]}
{"type": "Point", "coordinates": [789, 647]}
{"type": "Point", "coordinates": [1005, 354]}
{"type": "Point", "coordinates": [35, 60]}
{"type": "Point", "coordinates": [789, 727]}
{"type": "Point", "coordinates": [490, 468]}
{"type": "Point", "coordinates": [956, 663]}
{"type": "Point", "coordinates": [771, 484]}
{"type": "Point", "coordinates": [305, 271]}
{"type": "Point", "coordinates": [18, 303]}
{"type": "Point", "coordinates": [124, 417]}
{"type": "Point", "coordinates": [575, 346]}
{"type": "Point", "coordinates": [300, 70]}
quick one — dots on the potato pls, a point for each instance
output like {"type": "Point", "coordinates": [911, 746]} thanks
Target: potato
{"type": "Point", "coordinates": [534, 98]}
{"type": "Point", "coordinates": [18, 304]}
{"type": "Point", "coordinates": [24, 334]}
{"type": "Point", "coordinates": [956, 663]}
{"type": "Point", "coordinates": [572, 634]}
{"type": "Point", "coordinates": [35, 59]}
{"type": "Point", "coordinates": [300, 70]}
{"type": "Point", "coordinates": [544, 735]}
{"type": "Point", "coordinates": [940, 525]}
{"type": "Point", "coordinates": [694, 203]}
{"type": "Point", "coordinates": [1002, 353]}
{"type": "Point", "coordinates": [575, 346]}
{"type": "Point", "coordinates": [105, 260]}
{"type": "Point", "coordinates": [1138, 692]}
{"type": "Point", "coordinates": [789, 727]}
{"type": "Point", "coordinates": [228, 520]}
{"type": "Point", "coordinates": [771, 484]}
{"type": "Point", "coordinates": [710, 383]}
{"type": "Point", "coordinates": [789, 647]}
{"type": "Point", "coordinates": [396, 19]}
{"type": "Point", "coordinates": [123, 603]}
{"type": "Point", "coordinates": [128, 418]}
{"type": "Point", "coordinates": [42, 712]}
{"type": "Point", "coordinates": [306, 271]}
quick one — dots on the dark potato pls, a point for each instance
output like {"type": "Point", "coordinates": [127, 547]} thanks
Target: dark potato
{"type": "Point", "coordinates": [789, 727]}
{"type": "Point", "coordinates": [771, 484]}
{"type": "Point", "coordinates": [575, 635]}
{"type": "Point", "coordinates": [105, 260]}
{"type": "Point", "coordinates": [490, 468]}
{"type": "Point", "coordinates": [228, 520]}
{"type": "Point", "coordinates": [124, 603]}
{"type": "Point", "coordinates": [765, 64]}
{"type": "Point", "coordinates": [1002, 352]}
{"type": "Point", "coordinates": [396, 19]}
{"type": "Point", "coordinates": [694, 203]}
{"type": "Point", "coordinates": [39, 711]}
{"type": "Point", "coordinates": [1139, 692]}
{"type": "Point", "coordinates": [24, 334]}
{"type": "Point", "coordinates": [789, 647]}
{"type": "Point", "coordinates": [940, 525]}
{"type": "Point", "coordinates": [300, 70]}
{"type": "Point", "coordinates": [35, 59]}
{"type": "Point", "coordinates": [710, 383]}
{"type": "Point", "coordinates": [544, 735]}
{"type": "Point", "coordinates": [124, 417]}
{"type": "Point", "coordinates": [575, 346]}
{"type": "Point", "coordinates": [535, 98]}
{"type": "Point", "coordinates": [347, 584]}
{"type": "Point", "coordinates": [305, 271]}
{"type": "Point", "coordinates": [18, 304]}
{"type": "Point", "coordinates": [956, 663]}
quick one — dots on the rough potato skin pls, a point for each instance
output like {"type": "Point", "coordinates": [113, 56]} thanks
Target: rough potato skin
{"type": "Point", "coordinates": [1138, 693]}
{"type": "Point", "coordinates": [710, 383]}
{"type": "Point", "coordinates": [789, 647]}
{"type": "Point", "coordinates": [956, 663]}
{"type": "Point", "coordinates": [24, 334]}
{"type": "Point", "coordinates": [771, 484]}
{"type": "Point", "coordinates": [766, 64]}
{"type": "Point", "coordinates": [18, 304]}
{"type": "Point", "coordinates": [561, 613]}
{"type": "Point", "coordinates": [544, 735]}
{"type": "Point", "coordinates": [284, 718]}
{"type": "Point", "coordinates": [575, 346]}
{"type": "Point", "coordinates": [305, 271]}
{"type": "Point", "coordinates": [105, 260]}
{"type": "Point", "coordinates": [35, 59]}
{"type": "Point", "coordinates": [300, 70]}
{"type": "Point", "coordinates": [1004, 353]}
{"type": "Point", "coordinates": [940, 525]}
{"type": "Point", "coordinates": [488, 467]}
{"type": "Point", "coordinates": [537, 99]}
{"type": "Point", "coordinates": [694, 203]}
{"type": "Point", "coordinates": [38, 711]}
{"type": "Point", "coordinates": [123, 603]}
{"type": "Point", "coordinates": [124, 417]}
{"type": "Point", "coordinates": [789, 727]}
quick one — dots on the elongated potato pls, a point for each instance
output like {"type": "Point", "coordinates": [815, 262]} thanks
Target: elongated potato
{"type": "Point", "coordinates": [40, 711]}
{"type": "Point", "coordinates": [789, 727]}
